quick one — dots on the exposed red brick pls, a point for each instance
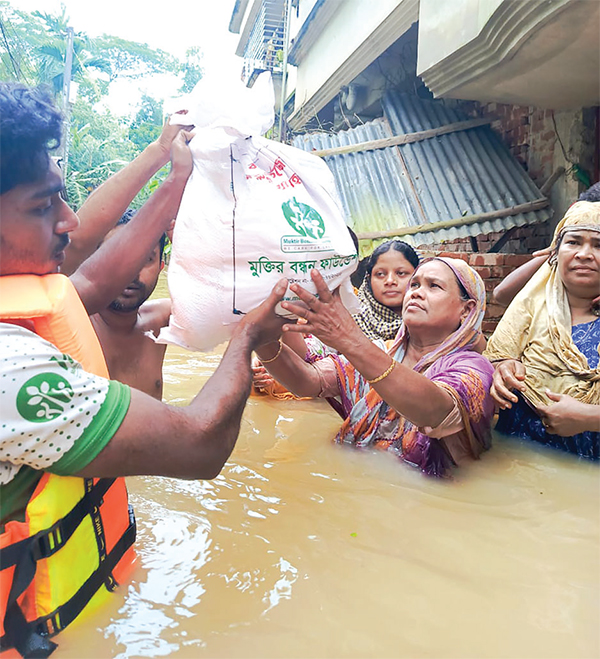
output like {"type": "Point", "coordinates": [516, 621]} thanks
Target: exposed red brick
{"type": "Point", "coordinates": [515, 260]}
{"type": "Point", "coordinates": [455, 255]}
{"type": "Point", "coordinates": [484, 272]}
{"type": "Point", "coordinates": [494, 310]}
{"type": "Point", "coordinates": [490, 284]}
{"type": "Point", "coordinates": [499, 271]}
{"type": "Point", "coordinates": [487, 259]}
{"type": "Point", "coordinates": [488, 326]}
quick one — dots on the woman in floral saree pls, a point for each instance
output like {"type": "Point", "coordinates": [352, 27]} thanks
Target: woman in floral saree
{"type": "Point", "coordinates": [426, 397]}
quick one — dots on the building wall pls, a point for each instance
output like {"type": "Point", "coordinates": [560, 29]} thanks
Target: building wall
{"type": "Point", "coordinates": [338, 44]}
{"type": "Point", "coordinates": [544, 140]}
{"type": "Point", "coordinates": [541, 140]}
{"type": "Point", "coordinates": [539, 52]}
{"type": "Point", "coordinates": [444, 27]}
{"type": "Point", "coordinates": [351, 26]}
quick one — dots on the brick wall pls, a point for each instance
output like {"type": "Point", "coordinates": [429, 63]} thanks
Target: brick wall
{"type": "Point", "coordinates": [528, 132]}
{"type": "Point", "coordinates": [492, 268]}
{"type": "Point", "coordinates": [530, 135]}
{"type": "Point", "coordinates": [523, 241]}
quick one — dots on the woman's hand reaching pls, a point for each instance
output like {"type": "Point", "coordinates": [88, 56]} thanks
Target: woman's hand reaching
{"type": "Point", "coordinates": [326, 316]}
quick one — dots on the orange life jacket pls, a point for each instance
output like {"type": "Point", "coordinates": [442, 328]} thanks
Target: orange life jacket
{"type": "Point", "coordinates": [75, 544]}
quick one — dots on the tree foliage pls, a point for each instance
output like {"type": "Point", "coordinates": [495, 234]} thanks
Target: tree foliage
{"type": "Point", "coordinates": [191, 69]}
{"type": "Point", "coordinates": [36, 46]}
{"type": "Point", "coordinates": [99, 147]}
{"type": "Point", "coordinates": [147, 123]}
{"type": "Point", "coordinates": [132, 60]}
{"type": "Point", "coordinates": [33, 48]}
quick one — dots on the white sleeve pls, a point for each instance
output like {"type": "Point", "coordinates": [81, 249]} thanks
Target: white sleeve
{"type": "Point", "coordinates": [49, 404]}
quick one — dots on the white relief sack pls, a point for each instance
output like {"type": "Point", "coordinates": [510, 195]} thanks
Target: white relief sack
{"type": "Point", "coordinates": [253, 211]}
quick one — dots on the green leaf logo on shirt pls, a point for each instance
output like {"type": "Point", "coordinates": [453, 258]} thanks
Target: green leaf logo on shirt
{"type": "Point", "coordinates": [303, 219]}
{"type": "Point", "coordinates": [44, 397]}
{"type": "Point", "coordinates": [67, 362]}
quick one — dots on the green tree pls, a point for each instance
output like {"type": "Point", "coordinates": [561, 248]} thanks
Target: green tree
{"type": "Point", "coordinates": [147, 123]}
{"type": "Point", "coordinates": [36, 49]}
{"type": "Point", "coordinates": [33, 50]}
{"type": "Point", "coordinates": [191, 69]}
{"type": "Point", "coordinates": [133, 60]}
{"type": "Point", "coordinates": [99, 147]}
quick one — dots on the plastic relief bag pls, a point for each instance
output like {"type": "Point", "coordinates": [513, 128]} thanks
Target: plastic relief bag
{"type": "Point", "coordinates": [253, 211]}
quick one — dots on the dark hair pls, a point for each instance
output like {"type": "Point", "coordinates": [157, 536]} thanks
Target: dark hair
{"type": "Point", "coordinates": [399, 246]}
{"type": "Point", "coordinates": [464, 294]}
{"type": "Point", "coordinates": [128, 216]}
{"type": "Point", "coordinates": [591, 194]}
{"type": "Point", "coordinates": [30, 127]}
{"type": "Point", "coordinates": [356, 278]}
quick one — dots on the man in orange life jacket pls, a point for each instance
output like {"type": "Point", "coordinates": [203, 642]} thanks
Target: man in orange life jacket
{"type": "Point", "coordinates": [59, 420]}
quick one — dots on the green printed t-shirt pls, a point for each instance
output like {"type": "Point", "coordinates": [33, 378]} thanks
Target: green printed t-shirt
{"type": "Point", "coordinates": [54, 416]}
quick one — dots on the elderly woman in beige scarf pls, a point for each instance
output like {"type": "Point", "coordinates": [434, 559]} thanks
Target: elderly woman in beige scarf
{"type": "Point", "coordinates": [545, 348]}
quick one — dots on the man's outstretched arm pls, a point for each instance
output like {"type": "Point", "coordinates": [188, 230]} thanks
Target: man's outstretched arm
{"type": "Point", "coordinates": [193, 441]}
{"type": "Point", "coordinates": [104, 275]}
{"type": "Point", "coordinates": [104, 207]}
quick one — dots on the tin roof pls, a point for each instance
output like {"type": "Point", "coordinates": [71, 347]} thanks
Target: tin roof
{"type": "Point", "coordinates": [456, 175]}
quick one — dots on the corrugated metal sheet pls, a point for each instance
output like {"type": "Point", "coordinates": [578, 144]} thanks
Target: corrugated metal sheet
{"type": "Point", "coordinates": [446, 177]}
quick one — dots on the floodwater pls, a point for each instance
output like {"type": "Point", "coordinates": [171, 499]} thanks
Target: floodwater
{"type": "Point", "coordinates": [302, 548]}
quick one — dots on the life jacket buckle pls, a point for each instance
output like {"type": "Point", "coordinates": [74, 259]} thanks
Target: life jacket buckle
{"type": "Point", "coordinates": [52, 624]}
{"type": "Point", "coordinates": [49, 542]}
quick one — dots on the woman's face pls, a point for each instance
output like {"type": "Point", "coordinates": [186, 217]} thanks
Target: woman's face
{"type": "Point", "coordinates": [389, 279]}
{"type": "Point", "coordinates": [433, 301]}
{"type": "Point", "coordinates": [579, 262]}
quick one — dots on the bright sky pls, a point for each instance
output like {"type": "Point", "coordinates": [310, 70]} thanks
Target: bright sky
{"type": "Point", "coordinates": [170, 27]}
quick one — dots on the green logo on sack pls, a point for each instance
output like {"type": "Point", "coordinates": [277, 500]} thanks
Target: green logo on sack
{"type": "Point", "coordinates": [303, 219]}
{"type": "Point", "coordinates": [44, 397]}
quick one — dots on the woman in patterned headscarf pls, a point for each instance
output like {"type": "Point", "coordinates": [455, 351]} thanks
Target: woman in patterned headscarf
{"type": "Point", "coordinates": [381, 293]}
{"type": "Point", "coordinates": [545, 348]}
{"type": "Point", "coordinates": [426, 397]}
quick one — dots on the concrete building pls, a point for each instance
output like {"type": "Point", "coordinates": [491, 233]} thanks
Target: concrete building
{"type": "Point", "coordinates": [529, 67]}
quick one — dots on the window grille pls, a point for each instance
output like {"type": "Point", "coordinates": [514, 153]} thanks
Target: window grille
{"type": "Point", "coordinates": [264, 50]}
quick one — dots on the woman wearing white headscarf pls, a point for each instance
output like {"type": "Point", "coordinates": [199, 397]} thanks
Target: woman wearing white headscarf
{"type": "Point", "coordinates": [545, 348]}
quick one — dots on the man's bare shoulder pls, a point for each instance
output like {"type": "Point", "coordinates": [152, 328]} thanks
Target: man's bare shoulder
{"type": "Point", "coordinates": [154, 314]}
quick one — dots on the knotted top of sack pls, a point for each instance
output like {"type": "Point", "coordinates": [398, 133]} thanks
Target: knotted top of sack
{"type": "Point", "coordinates": [228, 104]}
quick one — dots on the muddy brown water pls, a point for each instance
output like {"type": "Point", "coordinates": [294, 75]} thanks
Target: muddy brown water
{"type": "Point", "coordinates": [302, 548]}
